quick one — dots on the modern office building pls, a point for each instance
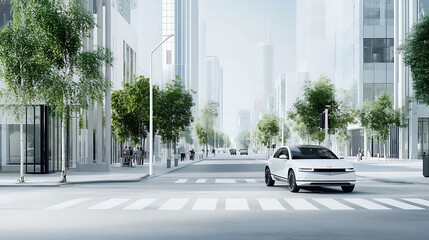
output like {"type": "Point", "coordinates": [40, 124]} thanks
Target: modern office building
{"type": "Point", "coordinates": [264, 99]}
{"type": "Point", "coordinates": [90, 145]}
{"type": "Point", "coordinates": [414, 140]}
{"type": "Point", "coordinates": [214, 90]}
{"type": "Point", "coordinates": [243, 120]}
{"type": "Point", "coordinates": [315, 38]}
{"type": "Point", "coordinates": [365, 61]}
{"type": "Point", "coordinates": [181, 53]}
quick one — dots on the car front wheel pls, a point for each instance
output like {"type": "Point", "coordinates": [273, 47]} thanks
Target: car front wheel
{"type": "Point", "coordinates": [348, 188]}
{"type": "Point", "coordinates": [268, 179]}
{"type": "Point", "coordinates": [292, 182]}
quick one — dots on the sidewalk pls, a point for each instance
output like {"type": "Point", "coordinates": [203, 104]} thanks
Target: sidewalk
{"type": "Point", "coordinates": [116, 174]}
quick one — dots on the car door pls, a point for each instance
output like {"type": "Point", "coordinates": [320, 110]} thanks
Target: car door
{"type": "Point", "coordinates": [275, 162]}
{"type": "Point", "coordinates": [283, 164]}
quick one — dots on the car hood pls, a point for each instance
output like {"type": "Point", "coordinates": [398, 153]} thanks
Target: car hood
{"type": "Point", "coordinates": [320, 163]}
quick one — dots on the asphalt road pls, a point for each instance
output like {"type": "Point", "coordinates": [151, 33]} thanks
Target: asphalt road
{"type": "Point", "coordinates": [221, 198]}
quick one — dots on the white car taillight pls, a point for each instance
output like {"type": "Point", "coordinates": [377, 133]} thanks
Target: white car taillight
{"type": "Point", "coordinates": [305, 169]}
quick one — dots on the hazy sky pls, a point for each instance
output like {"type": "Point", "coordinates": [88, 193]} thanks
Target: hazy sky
{"type": "Point", "coordinates": [234, 28]}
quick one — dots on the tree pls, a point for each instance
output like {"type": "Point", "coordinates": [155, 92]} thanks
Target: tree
{"type": "Point", "coordinates": [205, 123]}
{"type": "Point", "coordinates": [175, 111]}
{"type": "Point", "coordinates": [43, 59]}
{"type": "Point", "coordinates": [267, 129]}
{"type": "Point", "coordinates": [22, 67]}
{"type": "Point", "coordinates": [243, 139]}
{"type": "Point", "coordinates": [415, 51]}
{"type": "Point", "coordinates": [317, 97]}
{"type": "Point", "coordinates": [130, 110]}
{"type": "Point", "coordinates": [377, 117]}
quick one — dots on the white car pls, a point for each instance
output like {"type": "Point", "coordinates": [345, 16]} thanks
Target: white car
{"type": "Point", "coordinates": [308, 165]}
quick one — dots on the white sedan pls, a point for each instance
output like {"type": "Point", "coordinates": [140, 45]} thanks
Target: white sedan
{"type": "Point", "coordinates": [308, 165]}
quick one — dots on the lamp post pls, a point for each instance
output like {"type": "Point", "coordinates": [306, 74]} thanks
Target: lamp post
{"type": "Point", "coordinates": [151, 107]}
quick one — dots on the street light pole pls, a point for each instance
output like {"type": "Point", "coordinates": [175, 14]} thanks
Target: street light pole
{"type": "Point", "coordinates": [151, 107]}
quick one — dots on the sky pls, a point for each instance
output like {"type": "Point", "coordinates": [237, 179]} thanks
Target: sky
{"type": "Point", "coordinates": [234, 29]}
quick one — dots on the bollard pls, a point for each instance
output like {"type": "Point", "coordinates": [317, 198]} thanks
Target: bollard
{"type": "Point", "coordinates": [176, 161]}
{"type": "Point", "coordinates": [168, 163]}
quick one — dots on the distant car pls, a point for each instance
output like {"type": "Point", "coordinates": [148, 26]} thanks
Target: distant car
{"type": "Point", "coordinates": [244, 152]}
{"type": "Point", "coordinates": [309, 165]}
{"type": "Point", "coordinates": [233, 151]}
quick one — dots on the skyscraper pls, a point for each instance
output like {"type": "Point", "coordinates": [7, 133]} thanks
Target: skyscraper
{"type": "Point", "coordinates": [214, 86]}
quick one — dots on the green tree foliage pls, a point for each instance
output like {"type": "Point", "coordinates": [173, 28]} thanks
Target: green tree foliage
{"type": "Point", "coordinates": [305, 112]}
{"type": "Point", "coordinates": [244, 139]}
{"type": "Point", "coordinates": [130, 110]}
{"type": "Point", "coordinates": [415, 50]}
{"type": "Point", "coordinates": [175, 111]}
{"type": "Point", "coordinates": [43, 58]}
{"type": "Point", "coordinates": [377, 117]}
{"type": "Point", "coordinates": [267, 129]}
{"type": "Point", "coordinates": [205, 123]}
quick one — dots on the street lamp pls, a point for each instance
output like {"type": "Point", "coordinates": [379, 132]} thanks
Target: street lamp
{"type": "Point", "coordinates": [151, 107]}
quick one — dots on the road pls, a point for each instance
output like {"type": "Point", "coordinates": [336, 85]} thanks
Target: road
{"type": "Point", "coordinates": [219, 198]}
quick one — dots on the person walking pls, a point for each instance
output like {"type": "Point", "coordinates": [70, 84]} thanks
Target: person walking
{"type": "Point", "coordinates": [192, 154]}
{"type": "Point", "coordinates": [214, 152]}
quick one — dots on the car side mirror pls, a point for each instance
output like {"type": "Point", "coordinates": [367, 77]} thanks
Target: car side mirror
{"type": "Point", "coordinates": [283, 157]}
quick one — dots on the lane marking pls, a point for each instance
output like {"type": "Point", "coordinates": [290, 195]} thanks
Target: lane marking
{"type": "Point", "coordinates": [140, 204]}
{"type": "Point", "coordinates": [236, 204]}
{"type": "Point", "coordinates": [270, 204]}
{"type": "Point", "coordinates": [201, 180]}
{"type": "Point", "coordinates": [418, 201]}
{"type": "Point", "coordinates": [174, 204]}
{"type": "Point", "coordinates": [397, 204]}
{"type": "Point", "coordinates": [208, 204]}
{"type": "Point", "coordinates": [251, 181]}
{"type": "Point", "coordinates": [332, 204]}
{"type": "Point", "coordinates": [109, 204]}
{"type": "Point", "coordinates": [300, 204]}
{"type": "Point", "coordinates": [366, 204]}
{"type": "Point", "coordinates": [225, 180]}
{"type": "Point", "coordinates": [181, 180]}
{"type": "Point", "coordinates": [68, 203]}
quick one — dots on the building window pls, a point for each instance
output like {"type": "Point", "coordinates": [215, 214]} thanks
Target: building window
{"type": "Point", "coordinates": [378, 50]}
{"type": "Point", "coordinates": [129, 62]}
{"type": "Point", "coordinates": [376, 12]}
{"type": "Point", "coordinates": [423, 8]}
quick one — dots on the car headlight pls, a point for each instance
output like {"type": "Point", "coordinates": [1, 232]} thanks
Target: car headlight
{"type": "Point", "coordinates": [305, 169]}
{"type": "Point", "coordinates": [350, 169]}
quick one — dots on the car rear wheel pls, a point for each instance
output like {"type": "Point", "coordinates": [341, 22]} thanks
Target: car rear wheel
{"type": "Point", "coordinates": [348, 188]}
{"type": "Point", "coordinates": [292, 182]}
{"type": "Point", "coordinates": [269, 181]}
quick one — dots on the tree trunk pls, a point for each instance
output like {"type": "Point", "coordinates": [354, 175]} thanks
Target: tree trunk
{"type": "Point", "coordinates": [21, 168]}
{"type": "Point", "coordinates": [207, 150]}
{"type": "Point", "coordinates": [385, 152]}
{"type": "Point", "coordinates": [63, 177]}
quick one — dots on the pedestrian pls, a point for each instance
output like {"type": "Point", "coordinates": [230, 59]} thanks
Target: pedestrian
{"type": "Point", "coordinates": [126, 157]}
{"type": "Point", "coordinates": [131, 156]}
{"type": "Point", "coordinates": [182, 155]}
{"type": "Point", "coordinates": [138, 155]}
{"type": "Point", "coordinates": [192, 154]}
{"type": "Point", "coordinates": [214, 152]}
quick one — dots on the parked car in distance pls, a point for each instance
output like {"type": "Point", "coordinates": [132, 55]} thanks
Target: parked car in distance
{"type": "Point", "coordinates": [307, 166]}
{"type": "Point", "coordinates": [233, 151]}
{"type": "Point", "coordinates": [244, 152]}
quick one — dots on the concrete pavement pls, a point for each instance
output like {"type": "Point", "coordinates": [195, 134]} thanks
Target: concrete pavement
{"type": "Point", "coordinates": [116, 174]}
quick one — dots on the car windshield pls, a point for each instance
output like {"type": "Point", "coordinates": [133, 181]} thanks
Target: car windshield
{"type": "Point", "coordinates": [311, 152]}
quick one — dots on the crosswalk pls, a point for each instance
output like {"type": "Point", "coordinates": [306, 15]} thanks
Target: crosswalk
{"type": "Point", "coordinates": [244, 204]}
{"type": "Point", "coordinates": [218, 180]}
